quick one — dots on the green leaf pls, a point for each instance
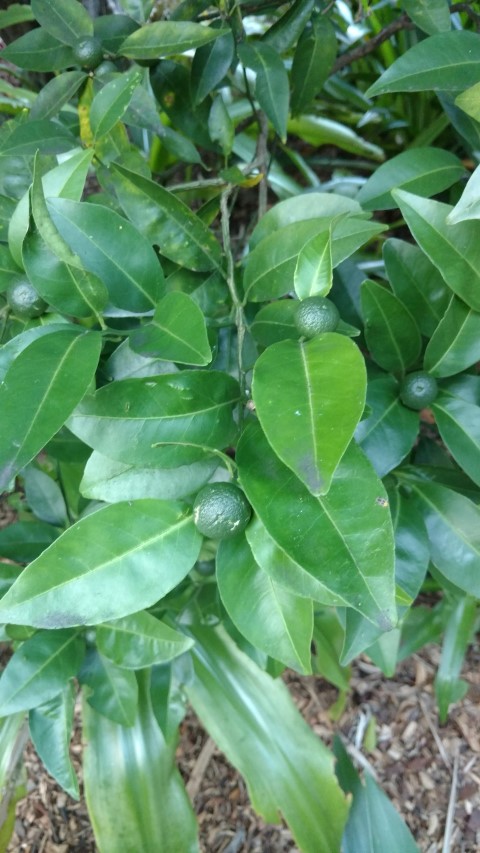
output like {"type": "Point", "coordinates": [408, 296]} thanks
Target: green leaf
{"type": "Point", "coordinates": [271, 83]}
{"type": "Point", "coordinates": [275, 322]}
{"type": "Point", "coordinates": [220, 126]}
{"type": "Point", "coordinates": [166, 38]}
{"type": "Point", "coordinates": [392, 335]}
{"type": "Point", "coordinates": [111, 102]}
{"type": "Point", "coordinates": [55, 94]}
{"type": "Point", "coordinates": [424, 171]}
{"type": "Point", "coordinates": [268, 615]}
{"type": "Point", "coordinates": [313, 273]}
{"type": "Point", "coordinates": [147, 547]}
{"type": "Point", "coordinates": [177, 332]}
{"type": "Point", "coordinates": [287, 769]}
{"type": "Point", "coordinates": [390, 430]}
{"type": "Point", "coordinates": [111, 690]}
{"type": "Point", "coordinates": [283, 34]}
{"type": "Point", "coordinates": [10, 350]}
{"type": "Point", "coordinates": [113, 249]}
{"type": "Point", "coordinates": [37, 50]}
{"type": "Point", "coordinates": [458, 422]}
{"type": "Point", "coordinates": [50, 729]}
{"type": "Point", "coordinates": [317, 130]}
{"type": "Point", "coordinates": [40, 669]}
{"type": "Point", "coordinates": [15, 13]}
{"type": "Point", "coordinates": [453, 249]}
{"type": "Point", "coordinates": [431, 16]}
{"type": "Point", "coordinates": [459, 630]}
{"type": "Point", "coordinates": [412, 553]}
{"type": "Point", "coordinates": [453, 527]}
{"type": "Point", "coordinates": [44, 496]}
{"type": "Point", "coordinates": [344, 540]}
{"type": "Point", "coordinates": [33, 410]}
{"type": "Point", "coordinates": [418, 284]}
{"type": "Point", "coordinates": [455, 345]}
{"type": "Point", "coordinates": [140, 640]}
{"type": "Point", "coordinates": [210, 65]}
{"type": "Point", "coordinates": [373, 824]}
{"type": "Point", "coordinates": [318, 388]}
{"type": "Point", "coordinates": [22, 541]}
{"type": "Point", "coordinates": [45, 136]}
{"type": "Point", "coordinates": [312, 62]}
{"type": "Point", "coordinates": [166, 221]}
{"type": "Point", "coordinates": [126, 420]}
{"type": "Point", "coordinates": [295, 209]}
{"type": "Point", "coordinates": [441, 63]}
{"type": "Point", "coordinates": [112, 30]}
{"type": "Point", "coordinates": [133, 788]}
{"type": "Point", "coordinates": [66, 20]}
{"type": "Point", "coordinates": [468, 101]}
{"type": "Point", "coordinates": [468, 206]}
{"type": "Point", "coordinates": [107, 480]}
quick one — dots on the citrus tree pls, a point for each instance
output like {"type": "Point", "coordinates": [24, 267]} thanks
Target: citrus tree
{"type": "Point", "coordinates": [239, 396]}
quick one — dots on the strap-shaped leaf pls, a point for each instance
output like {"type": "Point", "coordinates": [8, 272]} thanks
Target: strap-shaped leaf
{"type": "Point", "coordinates": [50, 730]}
{"type": "Point", "coordinates": [343, 540]}
{"type": "Point", "coordinates": [271, 85]}
{"type": "Point", "coordinates": [147, 547]}
{"type": "Point", "coordinates": [312, 62]}
{"type": "Point", "coordinates": [209, 66]}
{"type": "Point", "coordinates": [313, 272]}
{"type": "Point", "coordinates": [39, 391]}
{"type": "Point", "coordinates": [66, 20]}
{"type": "Point", "coordinates": [287, 769]}
{"type": "Point", "coordinates": [269, 616]}
{"type": "Point", "coordinates": [319, 389]}
{"type": "Point", "coordinates": [391, 332]}
{"type": "Point", "coordinates": [455, 344]}
{"type": "Point", "coordinates": [177, 332]}
{"type": "Point", "coordinates": [140, 640]}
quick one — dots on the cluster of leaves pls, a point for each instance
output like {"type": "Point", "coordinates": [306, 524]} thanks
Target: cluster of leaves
{"type": "Point", "coordinates": [145, 353]}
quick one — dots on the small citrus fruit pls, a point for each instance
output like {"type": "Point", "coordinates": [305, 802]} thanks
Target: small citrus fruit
{"type": "Point", "coordinates": [88, 52]}
{"type": "Point", "coordinates": [24, 300]}
{"type": "Point", "coordinates": [221, 510]}
{"type": "Point", "coordinates": [418, 390]}
{"type": "Point", "coordinates": [316, 314]}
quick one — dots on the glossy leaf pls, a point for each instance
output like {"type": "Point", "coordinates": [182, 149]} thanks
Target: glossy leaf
{"type": "Point", "coordinates": [37, 50]}
{"type": "Point", "coordinates": [110, 689]}
{"type": "Point", "coordinates": [440, 63]}
{"type": "Point", "coordinates": [50, 729]}
{"type": "Point", "coordinates": [287, 769]}
{"type": "Point", "coordinates": [25, 540]}
{"type": "Point", "coordinates": [317, 130]}
{"type": "Point", "coordinates": [449, 687]}
{"type": "Point", "coordinates": [392, 335]}
{"type": "Point", "coordinates": [275, 322]}
{"type": "Point", "coordinates": [412, 553]}
{"type": "Point", "coordinates": [16, 13]}
{"type": "Point", "coordinates": [166, 38]}
{"type": "Point", "coordinates": [133, 788]}
{"type": "Point", "coordinates": [128, 420]}
{"type": "Point", "coordinates": [390, 430]}
{"type": "Point", "coordinates": [44, 496]}
{"type": "Point", "coordinates": [140, 640]}
{"type": "Point", "coordinates": [112, 30]}
{"type": "Point", "coordinates": [66, 20]}
{"type": "Point", "coordinates": [312, 62]}
{"type": "Point", "coordinates": [177, 332]}
{"type": "Point", "coordinates": [220, 126]}
{"type": "Point", "coordinates": [166, 221]}
{"type": "Point", "coordinates": [283, 34]}
{"type": "Point", "coordinates": [147, 547]}
{"type": "Point", "coordinates": [43, 135]}
{"type": "Point", "coordinates": [424, 171]}
{"type": "Point", "coordinates": [296, 209]}
{"type": "Point", "coordinates": [458, 422]}
{"type": "Point", "coordinates": [313, 273]}
{"type": "Point", "coordinates": [453, 526]}
{"type": "Point", "coordinates": [319, 387]}
{"type": "Point", "coordinates": [454, 249]}
{"type": "Point", "coordinates": [268, 615]}
{"type": "Point", "coordinates": [344, 539]}
{"type": "Point", "coordinates": [210, 65]}
{"type": "Point", "coordinates": [271, 83]}
{"type": "Point", "coordinates": [468, 102]}
{"type": "Point", "coordinates": [111, 102]}
{"type": "Point", "coordinates": [349, 234]}
{"type": "Point", "coordinates": [105, 479]}
{"type": "Point", "coordinates": [417, 283]}
{"type": "Point", "coordinates": [39, 669]}
{"type": "Point", "coordinates": [455, 345]}
{"type": "Point", "coordinates": [431, 16]}
{"type": "Point", "coordinates": [33, 411]}
{"type": "Point", "coordinates": [56, 93]}
{"type": "Point", "coordinates": [468, 206]}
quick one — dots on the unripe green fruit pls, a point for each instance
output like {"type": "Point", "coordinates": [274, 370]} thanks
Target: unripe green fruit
{"type": "Point", "coordinates": [418, 390]}
{"type": "Point", "coordinates": [88, 53]}
{"type": "Point", "coordinates": [221, 511]}
{"type": "Point", "coordinates": [315, 315]}
{"type": "Point", "coordinates": [24, 300]}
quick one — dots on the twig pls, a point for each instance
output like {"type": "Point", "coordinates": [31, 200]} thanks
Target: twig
{"type": "Point", "coordinates": [447, 838]}
{"type": "Point", "coordinates": [361, 760]}
{"type": "Point", "coordinates": [436, 736]}
{"type": "Point", "coordinates": [261, 155]}
{"type": "Point", "coordinates": [199, 768]}
{"type": "Point", "coordinates": [237, 302]}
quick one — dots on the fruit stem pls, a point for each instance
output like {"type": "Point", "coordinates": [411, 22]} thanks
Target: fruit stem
{"type": "Point", "coordinates": [237, 302]}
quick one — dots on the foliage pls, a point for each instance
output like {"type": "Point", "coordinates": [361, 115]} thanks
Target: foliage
{"type": "Point", "coordinates": [173, 190]}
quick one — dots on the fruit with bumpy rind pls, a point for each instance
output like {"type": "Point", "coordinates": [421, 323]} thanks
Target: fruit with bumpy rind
{"type": "Point", "coordinates": [88, 53]}
{"type": "Point", "coordinates": [418, 390]}
{"type": "Point", "coordinates": [315, 315]}
{"type": "Point", "coordinates": [221, 511]}
{"type": "Point", "coordinates": [24, 301]}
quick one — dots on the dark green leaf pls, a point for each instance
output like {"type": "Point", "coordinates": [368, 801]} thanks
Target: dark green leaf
{"type": "Point", "coordinates": [166, 38]}
{"type": "Point", "coordinates": [267, 614]}
{"type": "Point", "coordinates": [55, 94]}
{"type": "Point", "coordinates": [412, 553]}
{"type": "Point", "coordinates": [319, 389]}
{"type": "Point", "coordinates": [40, 669]}
{"type": "Point", "coordinates": [33, 410]}
{"type": "Point", "coordinates": [140, 640]}
{"type": "Point", "coordinates": [271, 84]}
{"type": "Point", "coordinates": [111, 102]}
{"type": "Point", "coordinates": [210, 65]}
{"type": "Point", "coordinates": [66, 20]}
{"type": "Point", "coordinates": [312, 62]}
{"type": "Point", "coordinates": [455, 345]}
{"type": "Point", "coordinates": [127, 419]}
{"type": "Point", "coordinates": [287, 769]}
{"type": "Point", "coordinates": [50, 729]}
{"type": "Point", "coordinates": [112, 30]}
{"type": "Point", "coordinates": [22, 541]}
{"type": "Point", "coordinates": [177, 332]}
{"type": "Point", "coordinates": [112, 691]}
{"type": "Point", "coordinates": [424, 171]}
{"type": "Point", "coordinates": [166, 221]}
{"type": "Point", "coordinates": [390, 430]}
{"type": "Point", "coordinates": [16, 13]}
{"type": "Point", "coordinates": [458, 422]}
{"type": "Point", "coordinates": [44, 496]}
{"type": "Point", "coordinates": [275, 322]}
{"type": "Point", "coordinates": [147, 547]}
{"type": "Point", "coordinates": [431, 16]}
{"type": "Point", "coordinates": [392, 335]}
{"type": "Point", "coordinates": [283, 34]}
{"type": "Point", "coordinates": [449, 687]}
{"type": "Point", "coordinates": [45, 136]}
{"type": "Point", "coordinates": [37, 50]}
{"type": "Point", "coordinates": [417, 282]}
